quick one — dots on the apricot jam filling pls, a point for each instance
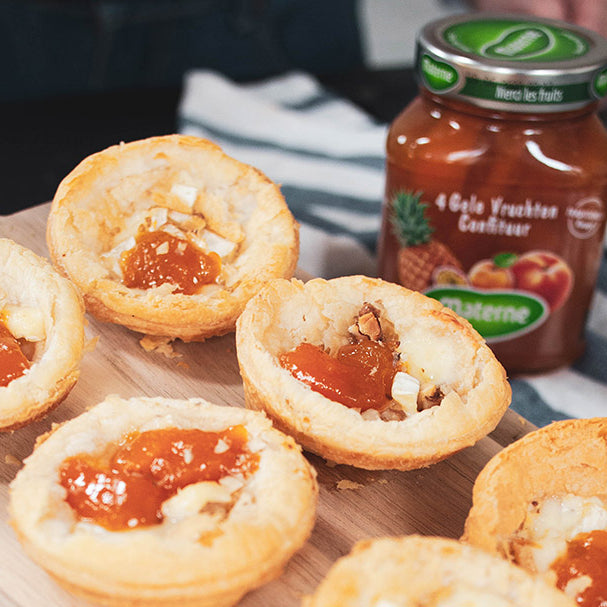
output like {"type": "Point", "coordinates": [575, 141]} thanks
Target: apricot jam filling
{"type": "Point", "coordinates": [586, 557]}
{"type": "Point", "coordinates": [126, 487]}
{"type": "Point", "coordinates": [159, 257]}
{"type": "Point", "coordinates": [360, 374]}
{"type": "Point", "coordinates": [13, 362]}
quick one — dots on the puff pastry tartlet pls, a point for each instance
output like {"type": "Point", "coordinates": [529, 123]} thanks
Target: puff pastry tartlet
{"type": "Point", "coordinates": [542, 500]}
{"type": "Point", "coordinates": [41, 335]}
{"type": "Point", "coordinates": [440, 387]}
{"type": "Point", "coordinates": [416, 571]}
{"type": "Point", "coordinates": [169, 236]}
{"type": "Point", "coordinates": [212, 540]}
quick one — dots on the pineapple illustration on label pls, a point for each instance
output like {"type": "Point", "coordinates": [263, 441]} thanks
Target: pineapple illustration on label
{"type": "Point", "coordinates": [422, 260]}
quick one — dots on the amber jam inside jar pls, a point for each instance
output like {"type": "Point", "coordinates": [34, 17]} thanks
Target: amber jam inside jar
{"type": "Point", "coordinates": [497, 180]}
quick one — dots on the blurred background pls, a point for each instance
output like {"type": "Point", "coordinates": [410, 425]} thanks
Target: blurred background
{"type": "Point", "coordinates": [80, 75]}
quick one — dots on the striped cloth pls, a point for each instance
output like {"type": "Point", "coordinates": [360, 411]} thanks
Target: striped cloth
{"type": "Point", "coordinates": [328, 156]}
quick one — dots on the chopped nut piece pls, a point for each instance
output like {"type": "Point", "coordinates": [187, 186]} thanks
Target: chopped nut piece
{"type": "Point", "coordinates": [429, 396]}
{"type": "Point", "coordinates": [187, 221]}
{"type": "Point", "coordinates": [366, 325]}
{"type": "Point", "coordinates": [369, 325]}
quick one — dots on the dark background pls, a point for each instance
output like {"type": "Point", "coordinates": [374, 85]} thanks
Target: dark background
{"type": "Point", "coordinates": [80, 75]}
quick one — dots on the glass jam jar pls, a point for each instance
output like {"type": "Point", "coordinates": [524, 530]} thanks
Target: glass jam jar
{"type": "Point", "coordinates": [496, 181]}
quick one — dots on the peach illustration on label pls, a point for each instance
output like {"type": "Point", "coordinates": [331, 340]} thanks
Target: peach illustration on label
{"type": "Point", "coordinates": [545, 274]}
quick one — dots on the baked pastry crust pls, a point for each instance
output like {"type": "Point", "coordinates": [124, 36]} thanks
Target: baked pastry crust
{"type": "Point", "coordinates": [417, 571]}
{"type": "Point", "coordinates": [436, 344]}
{"type": "Point", "coordinates": [32, 289]}
{"type": "Point", "coordinates": [193, 561]}
{"type": "Point", "coordinates": [104, 199]}
{"type": "Point", "coordinates": [565, 457]}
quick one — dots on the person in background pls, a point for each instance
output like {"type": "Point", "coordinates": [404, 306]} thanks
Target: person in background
{"type": "Point", "coordinates": [591, 14]}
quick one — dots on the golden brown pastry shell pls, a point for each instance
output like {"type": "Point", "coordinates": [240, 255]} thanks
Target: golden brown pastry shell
{"type": "Point", "coordinates": [436, 342]}
{"type": "Point", "coordinates": [165, 565]}
{"type": "Point", "coordinates": [422, 571]}
{"type": "Point", "coordinates": [28, 280]}
{"type": "Point", "coordinates": [565, 457]}
{"type": "Point", "coordinates": [93, 203]}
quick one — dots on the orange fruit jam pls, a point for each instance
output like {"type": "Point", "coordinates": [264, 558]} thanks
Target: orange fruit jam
{"type": "Point", "coordinates": [359, 376]}
{"type": "Point", "coordinates": [126, 488]}
{"type": "Point", "coordinates": [13, 363]}
{"type": "Point", "coordinates": [158, 258]}
{"type": "Point", "coordinates": [586, 556]}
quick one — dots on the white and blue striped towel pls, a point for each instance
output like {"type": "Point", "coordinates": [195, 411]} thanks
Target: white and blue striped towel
{"type": "Point", "coordinates": [328, 156]}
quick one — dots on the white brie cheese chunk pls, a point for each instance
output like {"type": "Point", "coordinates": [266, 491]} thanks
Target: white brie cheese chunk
{"type": "Point", "coordinates": [23, 322]}
{"type": "Point", "coordinates": [113, 255]}
{"type": "Point", "coordinates": [557, 521]}
{"type": "Point", "coordinates": [405, 389]}
{"type": "Point", "coordinates": [157, 217]}
{"type": "Point", "coordinates": [186, 193]}
{"type": "Point", "coordinates": [124, 245]}
{"type": "Point", "coordinates": [222, 246]}
{"type": "Point", "coordinates": [190, 500]}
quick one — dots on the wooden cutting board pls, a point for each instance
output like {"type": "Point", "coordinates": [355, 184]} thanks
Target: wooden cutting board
{"type": "Point", "coordinates": [354, 504]}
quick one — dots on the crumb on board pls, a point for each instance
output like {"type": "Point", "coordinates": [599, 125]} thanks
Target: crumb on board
{"type": "Point", "coordinates": [11, 460]}
{"type": "Point", "coordinates": [161, 345]}
{"type": "Point", "coordinates": [91, 344]}
{"type": "Point", "coordinates": [345, 485]}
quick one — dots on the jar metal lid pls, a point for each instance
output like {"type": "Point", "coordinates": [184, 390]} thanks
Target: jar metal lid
{"type": "Point", "coordinates": [512, 63]}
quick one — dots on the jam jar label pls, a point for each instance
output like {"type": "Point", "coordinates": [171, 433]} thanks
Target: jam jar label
{"type": "Point", "coordinates": [503, 292]}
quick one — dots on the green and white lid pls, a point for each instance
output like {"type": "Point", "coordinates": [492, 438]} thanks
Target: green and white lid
{"type": "Point", "coordinates": [513, 63]}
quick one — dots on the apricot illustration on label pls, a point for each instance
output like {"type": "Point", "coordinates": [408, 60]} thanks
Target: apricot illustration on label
{"type": "Point", "coordinates": [493, 273]}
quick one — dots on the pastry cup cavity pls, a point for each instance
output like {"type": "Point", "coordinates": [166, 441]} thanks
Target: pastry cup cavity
{"type": "Point", "coordinates": [436, 344]}
{"type": "Point", "coordinates": [31, 287]}
{"type": "Point", "coordinates": [564, 458]}
{"type": "Point", "coordinates": [97, 205]}
{"type": "Point", "coordinates": [177, 562]}
{"type": "Point", "coordinates": [429, 571]}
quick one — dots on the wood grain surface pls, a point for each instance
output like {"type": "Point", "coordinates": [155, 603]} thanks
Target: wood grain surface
{"type": "Point", "coordinates": [354, 504]}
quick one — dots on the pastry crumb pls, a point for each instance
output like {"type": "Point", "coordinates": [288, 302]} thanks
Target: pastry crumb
{"type": "Point", "coordinates": [91, 344]}
{"type": "Point", "coordinates": [345, 485]}
{"type": "Point", "coordinates": [11, 460]}
{"type": "Point", "coordinates": [161, 345]}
